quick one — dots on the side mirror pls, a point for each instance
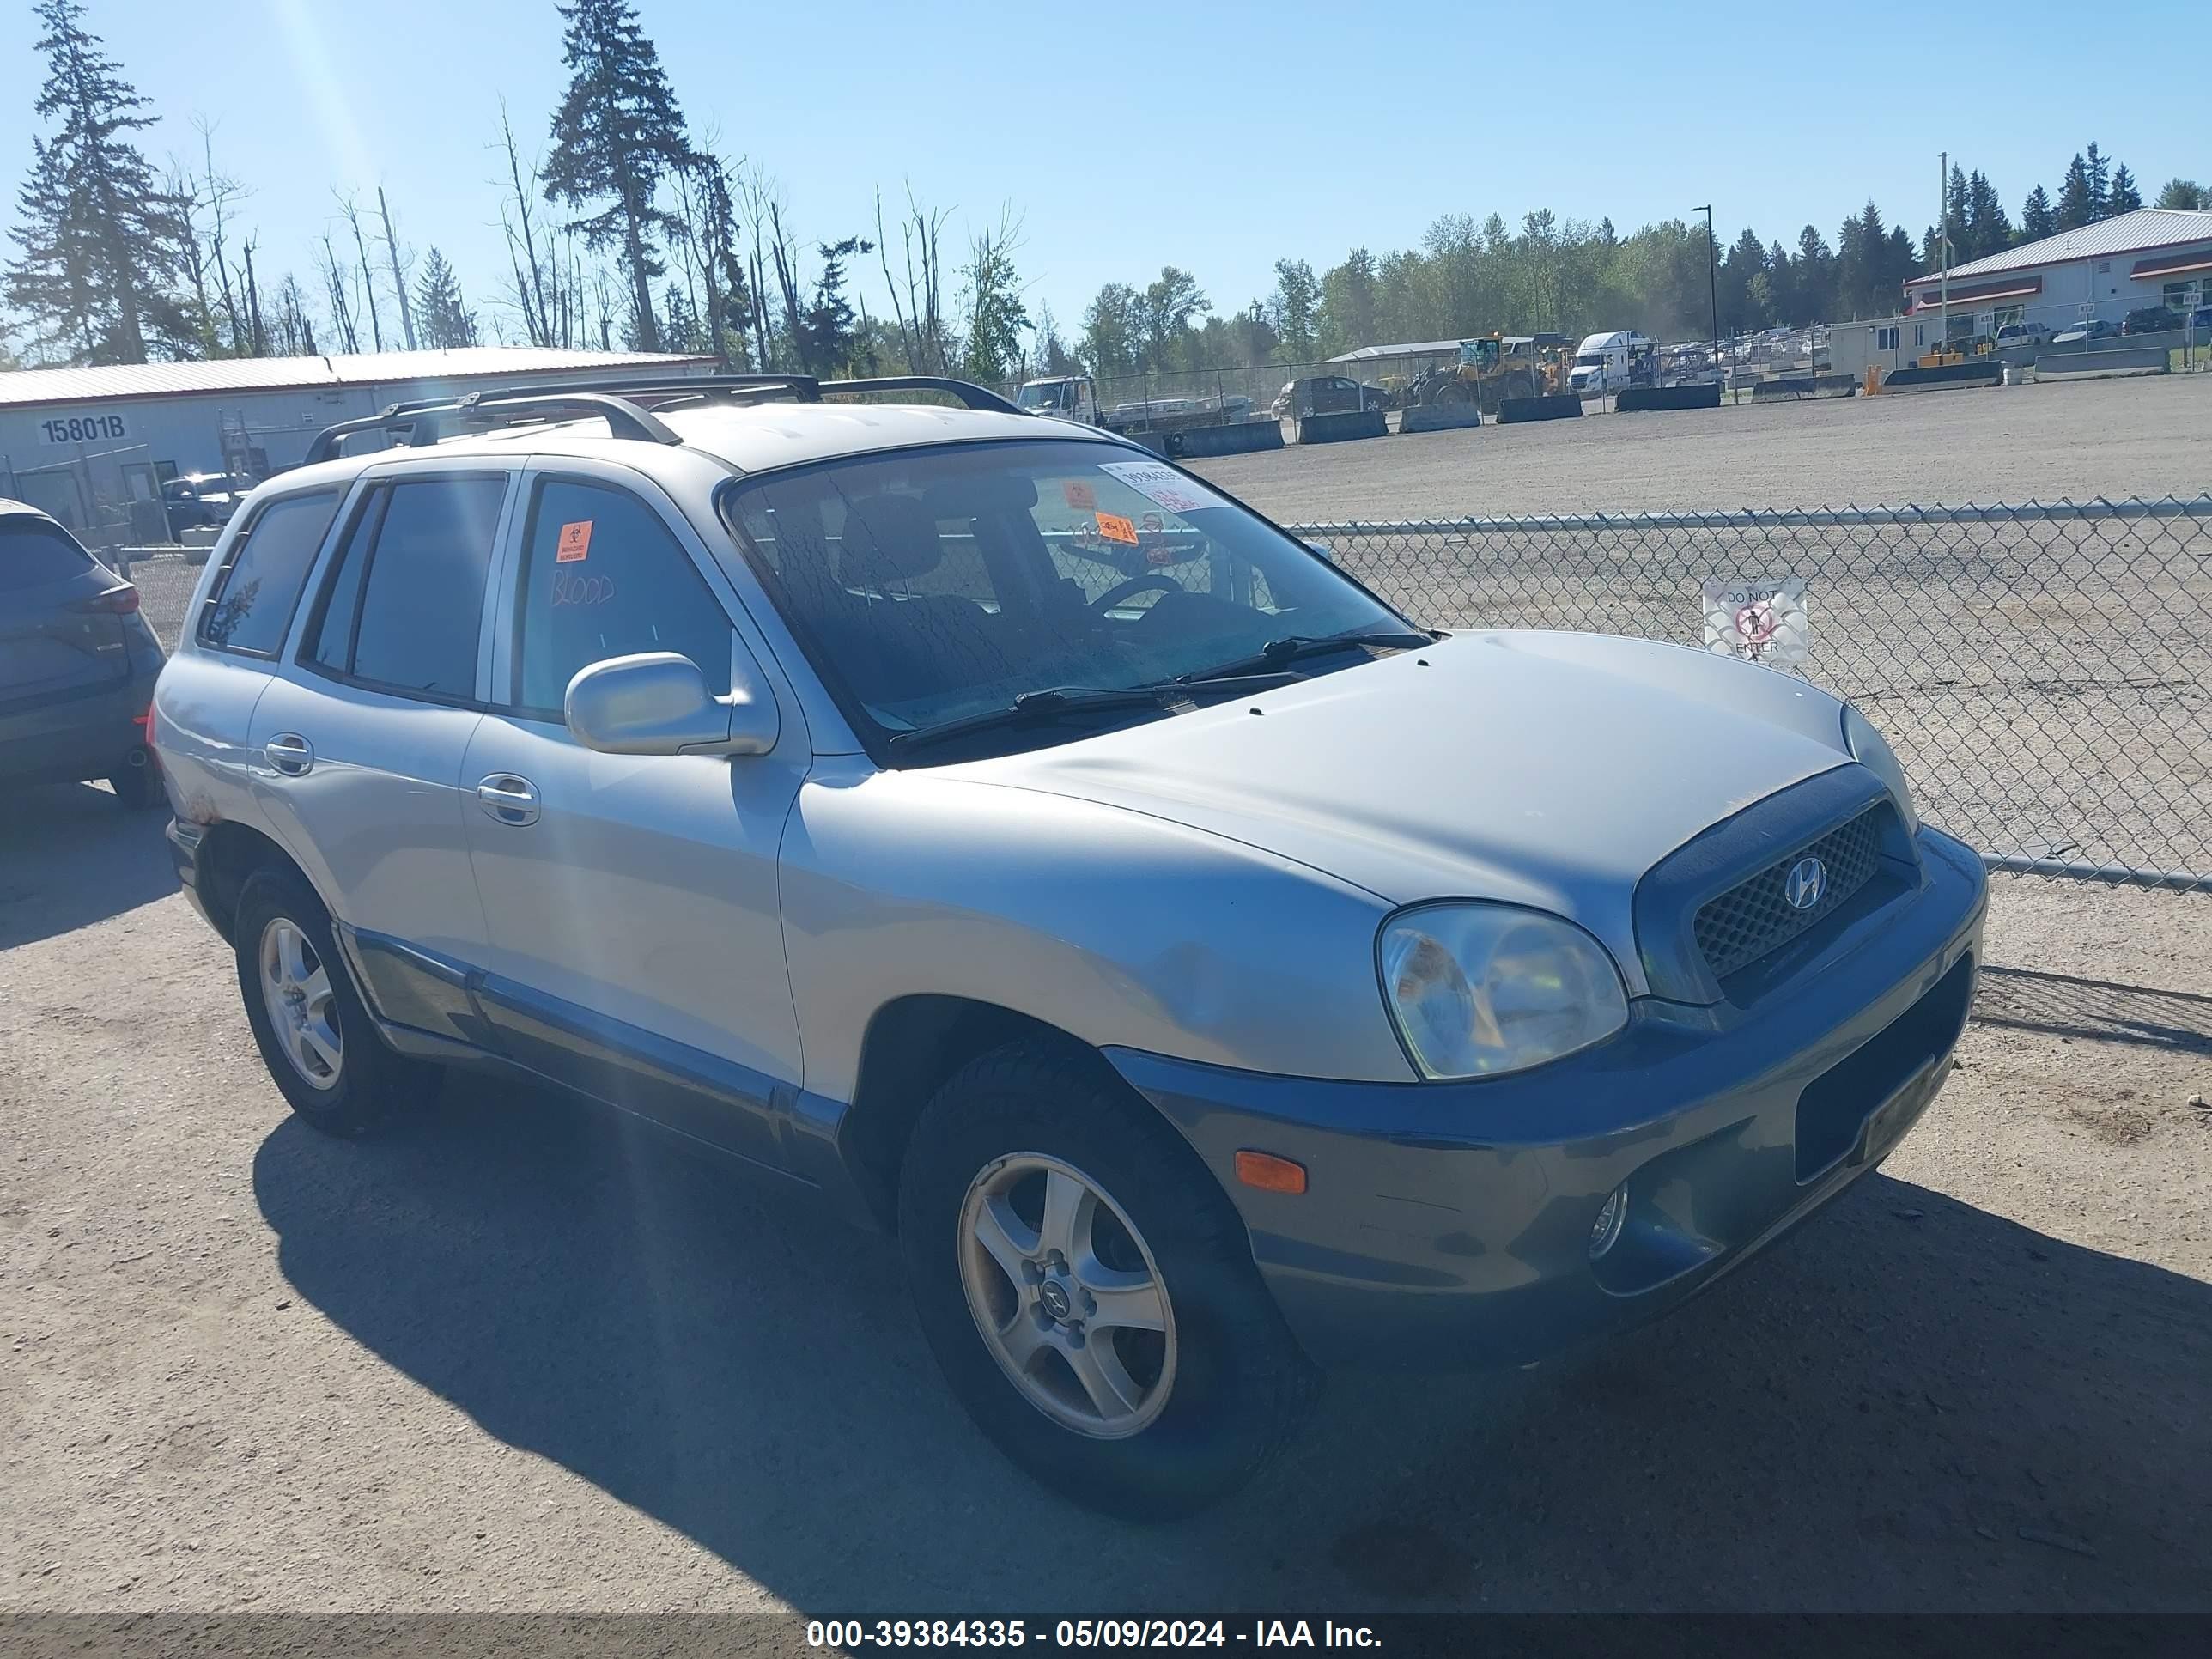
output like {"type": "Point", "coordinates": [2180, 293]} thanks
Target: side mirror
{"type": "Point", "coordinates": [658, 703]}
{"type": "Point", "coordinates": [1320, 549]}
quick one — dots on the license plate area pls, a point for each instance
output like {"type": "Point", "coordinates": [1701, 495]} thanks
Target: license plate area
{"type": "Point", "coordinates": [1860, 1106]}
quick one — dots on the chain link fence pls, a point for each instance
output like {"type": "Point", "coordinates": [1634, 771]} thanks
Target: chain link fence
{"type": "Point", "coordinates": [2042, 670]}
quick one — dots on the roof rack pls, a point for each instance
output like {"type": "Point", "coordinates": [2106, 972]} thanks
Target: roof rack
{"type": "Point", "coordinates": [627, 406]}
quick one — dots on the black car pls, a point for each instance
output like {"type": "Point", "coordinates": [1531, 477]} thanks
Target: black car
{"type": "Point", "coordinates": [2151, 320]}
{"type": "Point", "coordinates": [77, 664]}
{"type": "Point", "coordinates": [203, 500]}
{"type": "Point", "coordinates": [1327, 394]}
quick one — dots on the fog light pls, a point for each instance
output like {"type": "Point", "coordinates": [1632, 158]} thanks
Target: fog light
{"type": "Point", "coordinates": [1604, 1231]}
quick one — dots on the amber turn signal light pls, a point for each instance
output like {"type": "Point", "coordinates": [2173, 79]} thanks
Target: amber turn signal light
{"type": "Point", "coordinates": [1270, 1174]}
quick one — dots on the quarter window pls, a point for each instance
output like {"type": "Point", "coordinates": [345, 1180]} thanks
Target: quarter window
{"type": "Point", "coordinates": [407, 603]}
{"type": "Point", "coordinates": [250, 607]}
{"type": "Point", "coordinates": [604, 577]}
{"type": "Point", "coordinates": [34, 553]}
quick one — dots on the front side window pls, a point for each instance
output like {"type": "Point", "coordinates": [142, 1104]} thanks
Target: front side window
{"type": "Point", "coordinates": [933, 585]}
{"type": "Point", "coordinates": [602, 576]}
{"type": "Point", "coordinates": [250, 606]}
{"type": "Point", "coordinates": [406, 604]}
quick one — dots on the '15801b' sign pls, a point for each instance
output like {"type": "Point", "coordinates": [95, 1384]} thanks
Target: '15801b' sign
{"type": "Point", "coordinates": [82, 428]}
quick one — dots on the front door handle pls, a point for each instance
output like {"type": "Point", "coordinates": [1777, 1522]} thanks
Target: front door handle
{"type": "Point", "coordinates": [289, 753]}
{"type": "Point", "coordinates": [508, 799]}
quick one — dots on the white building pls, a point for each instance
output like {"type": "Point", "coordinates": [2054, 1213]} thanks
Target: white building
{"type": "Point", "coordinates": [84, 441]}
{"type": "Point", "coordinates": [2153, 256]}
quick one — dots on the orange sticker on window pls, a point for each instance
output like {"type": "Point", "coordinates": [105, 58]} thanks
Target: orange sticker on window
{"type": "Point", "coordinates": [1115, 528]}
{"type": "Point", "coordinates": [575, 542]}
{"type": "Point", "coordinates": [1080, 495]}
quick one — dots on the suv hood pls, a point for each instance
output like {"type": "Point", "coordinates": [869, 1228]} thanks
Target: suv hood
{"type": "Point", "coordinates": [1542, 769]}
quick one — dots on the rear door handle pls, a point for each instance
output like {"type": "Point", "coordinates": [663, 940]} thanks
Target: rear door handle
{"type": "Point", "coordinates": [508, 799]}
{"type": "Point", "coordinates": [289, 753]}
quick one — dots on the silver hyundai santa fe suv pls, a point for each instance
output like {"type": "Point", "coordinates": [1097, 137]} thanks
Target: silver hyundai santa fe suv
{"type": "Point", "coordinates": [1209, 974]}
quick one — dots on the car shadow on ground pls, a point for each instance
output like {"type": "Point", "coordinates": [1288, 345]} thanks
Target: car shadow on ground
{"type": "Point", "coordinates": [71, 855]}
{"type": "Point", "coordinates": [1911, 1403]}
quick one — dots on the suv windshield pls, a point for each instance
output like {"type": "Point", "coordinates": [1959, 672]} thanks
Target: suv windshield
{"type": "Point", "coordinates": [1058, 395]}
{"type": "Point", "coordinates": [936, 584]}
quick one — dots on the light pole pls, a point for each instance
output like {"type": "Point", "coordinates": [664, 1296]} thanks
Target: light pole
{"type": "Point", "coordinates": [1713, 285]}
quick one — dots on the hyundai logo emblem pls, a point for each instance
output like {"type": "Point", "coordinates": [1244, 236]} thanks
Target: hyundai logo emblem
{"type": "Point", "coordinates": [1807, 880]}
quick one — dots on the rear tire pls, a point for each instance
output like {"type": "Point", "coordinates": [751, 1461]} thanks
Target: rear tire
{"type": "Point", "coordinates": [1195, 1404]}
{"type": "Point", "coordinates": [321, 1047]}
{"type": "Point", "coordinates": [137, 788]}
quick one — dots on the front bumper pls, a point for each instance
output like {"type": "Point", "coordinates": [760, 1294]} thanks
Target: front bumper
{"type": "Point", "coordinates": [1449, 1225]}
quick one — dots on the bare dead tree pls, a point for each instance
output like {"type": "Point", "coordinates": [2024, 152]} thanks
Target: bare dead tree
{"type": "Point", "coordinates": [337, 279]}
{"type": "Point", "coordinates": [605, 306]}
{"type": "Point", "coordinates": [401, 268]}
{"type": "Point", "coordinates": [784, 249]}
{"type": "Point", "coordinates": [256, 336]}
{"type": "Point", "coordinates": [293, 324]}
{"type": "Point", "coordinates": [536, 274]}
{"type": "Point", "coordinates": [347, 206]}
{"type": "Point", "coordinates": [920, 317]}
{"type": "Point", "coordinates": [215, 194]}
{"type": "Point", "coordinates": [758, 191]}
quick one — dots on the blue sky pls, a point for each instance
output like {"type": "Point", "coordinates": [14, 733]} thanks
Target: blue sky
{"type": "Point", "coordinates": [1217, 136]}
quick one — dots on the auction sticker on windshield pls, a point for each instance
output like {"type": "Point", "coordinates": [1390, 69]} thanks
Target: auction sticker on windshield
{"type": "Point", "coordinates": [1161, 485]}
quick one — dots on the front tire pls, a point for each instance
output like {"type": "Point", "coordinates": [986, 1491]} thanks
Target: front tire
{"type": "Point", "coordinates": [314, 1032]}
{"type": "Point", "coordinates": [1088, 1291]}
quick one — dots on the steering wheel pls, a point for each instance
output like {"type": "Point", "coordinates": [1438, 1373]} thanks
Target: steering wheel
{"type": "Point", "coordinates": [1120, 591]}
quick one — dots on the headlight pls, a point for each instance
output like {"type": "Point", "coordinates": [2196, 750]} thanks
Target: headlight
{"type": "Point", "coordinates": [1872, 751]}
{"type": "Point", "coordinates": [1480, 989]}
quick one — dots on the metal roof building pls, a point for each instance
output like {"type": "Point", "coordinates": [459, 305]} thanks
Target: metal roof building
{"type": "Point", "coordinates": [2153, 256]}
{"type": "Point", "coordinates": [84, 443]}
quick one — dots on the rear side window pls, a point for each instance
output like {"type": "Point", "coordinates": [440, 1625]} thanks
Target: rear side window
{"type": "Point", "coordinates": [604, 577]}
{"type": "Point", "coordinates": [35, 554]}
{"type": "Point", "coordinates": [250, 607]}
{"type": "Point", "coordinates": [407, 599]}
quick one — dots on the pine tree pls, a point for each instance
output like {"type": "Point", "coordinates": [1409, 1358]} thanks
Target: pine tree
{"type": "Point", "coordinates": [2077, 197]}
{"type": "Point", "coordinates": [2123, 196]}
{"type": "Point", "coordinates": [102, 242]}
{"type": "Point", "coordinates": [444, 317]}
{"type": "Point", "coordinates": [829, 341]}
{"type": "Point", "coordinates": [2100, 174]}
{"type": "Point", "coordinates": [617, 135]}
{"type": "Point", "coordinates": [1988, 228]}
{"type": "Point", "coordinates": [2038, 218]}
{"type": "Point", "coordinates": [2184, 193]}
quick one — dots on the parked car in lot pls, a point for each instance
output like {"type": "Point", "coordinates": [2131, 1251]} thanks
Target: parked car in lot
{"type": "Point", "coordinates": [2021, 334]}
{"type": "Point", "coordinates": [2082, 333]}
{"type": "Point", "coordinates": [1037, 855]}
{"type": "Point", "coordinates": [77, 664]}
{"type": "Point", "coordinates": [1327, 394]}
{"type": "Point", "coordinates": [2151, 320]}
{"type": "Point", "coordinates": [203, 500]}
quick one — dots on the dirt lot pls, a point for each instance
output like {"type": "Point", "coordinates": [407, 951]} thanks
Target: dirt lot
{"type": "Point", "coordinates": [2079, 441]}
{"type": "Point", "coordinates": [517, 1357]}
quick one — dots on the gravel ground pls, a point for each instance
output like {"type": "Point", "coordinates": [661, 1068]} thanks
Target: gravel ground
{"type": "Point", "coordinates": [2079, 441]}
{"type": "Point", "coordinates": [518, 1357]}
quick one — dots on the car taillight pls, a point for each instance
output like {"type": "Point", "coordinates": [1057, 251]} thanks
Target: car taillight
{"type": "Point", "coordinates": [119, 601]}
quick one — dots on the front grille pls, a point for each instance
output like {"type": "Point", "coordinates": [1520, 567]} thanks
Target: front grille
{"type": "Point", "coordinates": [1755, 917]}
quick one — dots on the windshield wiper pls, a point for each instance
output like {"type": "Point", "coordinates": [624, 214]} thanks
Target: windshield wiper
{"type": "Point", "coordinates": [1278, 652]}
{"type": "Point", "coordinates": [1051, 703]}
{"type": "Point", "coordinates": [1041, 707]}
